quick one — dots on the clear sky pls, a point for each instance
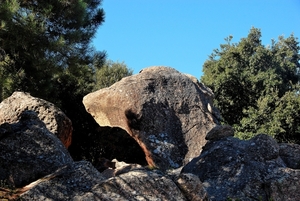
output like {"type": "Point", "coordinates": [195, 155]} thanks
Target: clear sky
{"type": "Point", "coordinates": [183, 33]}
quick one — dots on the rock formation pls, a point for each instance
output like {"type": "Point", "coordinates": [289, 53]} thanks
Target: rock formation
{"type": "Point", "coordinates": [83, 182]}
{"type": "Point", "coordinates": [246, 170]}
{"type": "Point", "coordinates": [56, 121]}
{"type": "Point", "coordinates": [35, 165]}
{"type": "Point", "coordinates": [290, 154]}
{"type": "Point", "coordinates": [29, 151]}
{"type": "Point", "coordinates": [165, 111]}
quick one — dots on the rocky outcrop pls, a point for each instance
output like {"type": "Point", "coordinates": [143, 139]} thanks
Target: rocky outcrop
{"type": "Point", "coordinates": [74, 183]}
{"type": "Point", "coordinates": [83, 182]}
{"type": "Point", "coordinates": [245, 170]}
{"type": "Point", "coordinates": [29, 151]}
{"type": "Point", "coordinates": [227, 169]}
{"type": "Point", "coordinates": [35, 165]}
{"type": "Point", "coordinates": [166, 112]}
{"type": "Point", "coordinates": [56, 121]}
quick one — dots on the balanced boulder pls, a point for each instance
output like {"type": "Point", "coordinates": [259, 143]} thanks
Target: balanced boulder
{"type": "Point", "coordinates": [168, 113]}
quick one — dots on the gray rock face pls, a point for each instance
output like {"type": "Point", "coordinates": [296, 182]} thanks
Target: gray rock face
{"type": "Point", "coordinates": [166, 112]}
{"type": "Point", "coordinates": [219, 132]}
{"type": "Point", "coordinates": [83, 182]}
{"type": "Point", "coordinates": [56, 121]}
{"type": "Point", "coordinates": [227, 168]}
{"type": "Point", "coordinates": [139, 185]}
{"type": "Point", "coordinates": [171, 116]}
{"type": "Point", "coordinates": [29, 151]}
{"type": "Point", "coordinates": [244, 170]}
{"type": "Point", "coordinates": [283, 184]}
{"type": "Point", "coordinates": [192, 187]}
{"type": "Point", "coordinates": [290, 154]}
{"type": "Point", "coordinates": [76, 182]}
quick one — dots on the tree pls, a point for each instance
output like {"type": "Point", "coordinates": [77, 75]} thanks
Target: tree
{"type": "Point", "coordinates": [109, 73]}
{"type": "Point", "coordinates": [6, 79]}
{"type": "Point", "coordinates": [251, 81]}
{"type": "Point", "coordinates": [47, 40]}
{"type": "Point", "coordinates": [45, 49]}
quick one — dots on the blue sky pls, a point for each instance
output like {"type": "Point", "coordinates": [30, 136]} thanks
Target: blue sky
{"type": "Point", "coordinates": [183, 33]}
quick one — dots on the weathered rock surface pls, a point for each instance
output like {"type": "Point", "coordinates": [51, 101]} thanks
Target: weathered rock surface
{"type": "Point", "coordinates": [56, 121]}
{"type": "Point", "coordinates": [192, 187]}
{"type": "Point", "coordinates": [228, 168]}
{"type": "Point", "coordinates": [290, 154]}
{"type": "Point", "coordinates": [219, 132]}
{"type": "Point", "coordinates": [245, 170]}
{"type": "Point", "coordinates": [75, 183]}
{"type": "Point", "coordinates": [83, 182]}
{"type": "Point", "coordinates": [29, 151]}
{"type": "Point", "coordinates": [169, 114]}
{"type": "Point", "coordinates": [166, 112]}
{"type": "Point", "coordinates": [120, 168]}
{"type": "Point", "coordinates": [283, 184]}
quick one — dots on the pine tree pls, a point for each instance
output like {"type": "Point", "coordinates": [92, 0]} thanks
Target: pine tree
{"type": "Point", "coordinates": [48, 40]}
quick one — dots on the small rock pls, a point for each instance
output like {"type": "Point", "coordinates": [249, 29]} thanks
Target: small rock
{"type": "Point", "coordinates": [192, 187]}
{"type": "Point", "coordinates": [220, 131]}
{"type": "Point", "coordinates": [290, 154]}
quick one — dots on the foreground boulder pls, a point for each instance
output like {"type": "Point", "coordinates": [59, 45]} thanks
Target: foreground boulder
{"type": "Point", "coordinates": [29, 151]}
{"type": "Point", "coordinates": [83, 182]}
{"type": "Point", "coordinates": [290, 154]}
{"type": "Point", "coordinates": [230, 168]}
{"type": "Point", "coordinates": [56, 121]}
{"type": "Point", "coordinates": [34, 165]}
{"type": "Point", "coordinates": [166, 112]}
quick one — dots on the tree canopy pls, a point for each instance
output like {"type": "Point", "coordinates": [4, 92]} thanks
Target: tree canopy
{"type": "Point", "coordinates": [109, 73]}
{"type": "Point", "coordinates": [42, 41]}
{"type": "Point", "coordinates": [257, 86]}
{"type": "Point", "coordinates": [45, 49]}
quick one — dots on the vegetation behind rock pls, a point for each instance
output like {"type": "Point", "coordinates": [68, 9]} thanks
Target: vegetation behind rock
{"type": "Point", "coordinates": [257, 86]}
{"type": "Point", "coordinates": [45, 49]}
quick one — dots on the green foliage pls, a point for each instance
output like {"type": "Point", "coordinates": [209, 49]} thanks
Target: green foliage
{"type": "Point", "coordinates": [45, 50]}
{"type": "Point", "coordinates": [257, 87]}
{"type": "Point", "coordinates": [44, 39]}
{"type": "Point", "coordinates": [6, 79]}
{"type": "Point", "coordinates": [110, 73]}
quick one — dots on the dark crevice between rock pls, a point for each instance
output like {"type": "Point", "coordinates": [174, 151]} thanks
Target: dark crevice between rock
{"type": "Point", "coordinates": [107, 142]}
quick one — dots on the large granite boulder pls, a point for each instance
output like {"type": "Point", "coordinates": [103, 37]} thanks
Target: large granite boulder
{"type": "Point", "coordinates": [83, 182]}
{"type": "Point", "coordinates": [235, 169]}
{"type": "Point", "coordinates": [56, 121]}
{"type": "Point", "coordinates": [75, 182]}
{"type": "Point", "coordinates": [166, 112]}
{"type": "Point", "coordinates": [29, 151]}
